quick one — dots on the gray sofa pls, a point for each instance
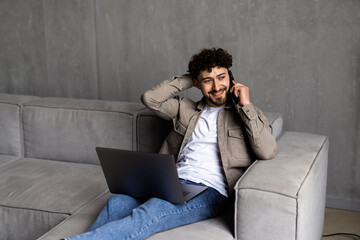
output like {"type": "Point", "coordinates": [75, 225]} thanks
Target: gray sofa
{"type": "Point", "coordinates": [51, 184]}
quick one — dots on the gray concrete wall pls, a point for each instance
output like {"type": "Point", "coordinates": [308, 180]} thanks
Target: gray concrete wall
{"type": "Point", "coordinates": [300, 58]}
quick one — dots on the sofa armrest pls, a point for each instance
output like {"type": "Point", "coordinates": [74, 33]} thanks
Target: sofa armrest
{"type": "Point", "coordinates": [284, 198]}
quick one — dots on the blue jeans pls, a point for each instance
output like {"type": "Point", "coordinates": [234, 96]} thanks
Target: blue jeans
{"type": "Point", "coordinates": [125, 217]}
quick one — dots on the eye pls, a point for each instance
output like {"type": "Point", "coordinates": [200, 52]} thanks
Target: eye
{"type": "Point", "coordinates": [206, 81]}
{"type": "Point", "coordinates": [221, 77]}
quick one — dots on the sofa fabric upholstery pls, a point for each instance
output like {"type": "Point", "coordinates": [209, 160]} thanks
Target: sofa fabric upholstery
{"type": "Point", "coordinates": [293, 212]}
{"type": "Point", "coordinates": [70, 129]}
{"type": "Point", "coordinates": [276, 124]}
{"type": "Point", "coordinates": [10, 119]}
{"type": "Point", "coordinates": [78, 222]}
{"type": "Point", "coordinates": [37, 194]}
{"type": "Point", "coordinates": [6, 159]}
{"type": "Point", "coordinates": [51, 184]}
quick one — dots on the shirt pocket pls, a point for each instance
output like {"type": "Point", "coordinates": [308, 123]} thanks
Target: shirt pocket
{"type": "Point", "coordinates": [235, 133]}
{"type": "Point", "coordinates": [238, 148]}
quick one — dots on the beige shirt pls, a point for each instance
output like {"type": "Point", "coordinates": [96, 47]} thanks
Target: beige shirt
{"type": "Point", "coordinates": [243, 132]}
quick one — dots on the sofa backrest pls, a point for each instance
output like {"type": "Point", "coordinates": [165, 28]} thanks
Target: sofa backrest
{"type": "Point", "coordinates": [276, 123]}
{"type": "Point", "coordinates": [69, 129]}
{"type": "Point", "coordinates": [66, 129]}
{"type": "Point", "coordinates": [10, 123]}
{"type": "Point", "coordinates": [151, 131]}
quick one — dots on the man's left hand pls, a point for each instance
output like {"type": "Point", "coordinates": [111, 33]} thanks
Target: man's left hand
{"type": "Point", "coordinates": [241, 93]}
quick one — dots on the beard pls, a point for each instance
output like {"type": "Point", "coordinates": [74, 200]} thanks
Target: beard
{"type": "Point", "coordinates": [218, 102]}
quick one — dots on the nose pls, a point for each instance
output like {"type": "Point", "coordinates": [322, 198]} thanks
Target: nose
{"type": "Point", "coordinates": [216, 85]}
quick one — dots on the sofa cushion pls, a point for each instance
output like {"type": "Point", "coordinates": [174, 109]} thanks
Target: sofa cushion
{"type": "Point", "coordinates": [35, 195]}
{"type": "Point", "coordinates": [80, 221]}
{"type": "Point", "coordinates": [215, 228]}
{"type": "Point", "coordinates": [70, 129]}
{"type": "Point", "coordinates": [5, 159]}
{"type": "Point", "coordinates": [151, 131]}
{"type": "Point", "coordinates": [10, 125]}
{"type": "Point", "coordinates": [276, 123]}
{"type": "Point", "coordinates": [24, 224]}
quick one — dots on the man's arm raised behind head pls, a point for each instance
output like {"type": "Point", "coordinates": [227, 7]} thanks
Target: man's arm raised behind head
{"type": "Point", "coordinates": [160, 99]}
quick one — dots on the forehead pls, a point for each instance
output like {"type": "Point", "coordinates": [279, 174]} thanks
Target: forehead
{"type": "Point", "coordinates": [215, 71]}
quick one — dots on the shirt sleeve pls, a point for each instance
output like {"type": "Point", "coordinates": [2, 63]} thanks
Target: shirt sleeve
{"type": "Point", "coordinates": [258, 130]}
{"type": "Point", "coordinates": [161, 98]}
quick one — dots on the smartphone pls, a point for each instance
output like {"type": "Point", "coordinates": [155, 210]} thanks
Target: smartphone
{"type": "Point", "coordinates": [231, 76]}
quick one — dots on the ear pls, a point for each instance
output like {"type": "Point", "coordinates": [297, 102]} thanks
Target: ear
{"type": "Point", "coordinates": [196, 83]}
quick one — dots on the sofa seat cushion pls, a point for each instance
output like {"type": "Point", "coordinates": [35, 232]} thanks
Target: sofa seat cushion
{"type": "Point", "coordinates": [211, 229]}
{"type": "Point", "coordinates": [6, 159]}
{"type": "Point", "coordinates": [36, 195]}
{"type": "Point", "coordinates": [215, 228]}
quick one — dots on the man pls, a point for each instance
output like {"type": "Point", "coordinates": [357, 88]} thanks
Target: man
{"type": "Point", "coordinates": [214, 139]}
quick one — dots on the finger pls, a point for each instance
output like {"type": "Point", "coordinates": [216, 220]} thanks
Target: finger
{"type": "Point", "coordinates": [235, 91]}
{"type": "Point", "coordinates": [232, 88]}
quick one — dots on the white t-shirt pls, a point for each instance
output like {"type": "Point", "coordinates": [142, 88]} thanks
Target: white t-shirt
{"type": "Point", "coordinates": [200, 159]}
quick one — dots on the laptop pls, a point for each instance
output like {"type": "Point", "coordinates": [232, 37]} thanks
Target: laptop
{"type": "Point", "coordinates": [145, 175]}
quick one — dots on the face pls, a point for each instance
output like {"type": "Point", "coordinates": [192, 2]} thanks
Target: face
{"type": "Point", "coordinates": [214, 85]}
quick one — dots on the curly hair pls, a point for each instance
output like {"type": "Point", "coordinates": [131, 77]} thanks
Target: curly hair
{"type": "Point", "coordinates": [206, 59]}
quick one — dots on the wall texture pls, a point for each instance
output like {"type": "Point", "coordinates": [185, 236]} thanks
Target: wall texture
{"type": "Point", "coordinates": [300, 58]}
